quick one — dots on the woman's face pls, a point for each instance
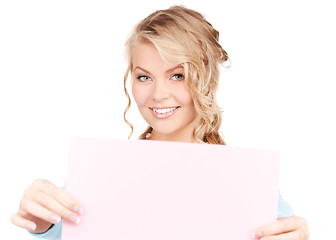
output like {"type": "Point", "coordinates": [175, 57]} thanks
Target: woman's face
{"type": "Point", "coordinates": [161, 95]}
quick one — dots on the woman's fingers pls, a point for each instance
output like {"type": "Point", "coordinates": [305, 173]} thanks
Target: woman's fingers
{"type": "Point", "coordinates": [38, 211]}
{"type": "Point", "coordinates": [44, 204]}
{"type": "Point", "coordinates": [50, 203]}
{"type": "Point", "coordinates": [285, 227]}
{"type": "Point", "coordinates": [294, 235]}
{"type": "Point", "coordinates": [281, 226]}
{"type": "Point", "coordinates": [58, 209]}
{"type": "Point", "coordinates": [19, 221]}
{"type": "Point", "coordinates": [30, 222]}
{"type": "Point", "coordinates": [59, 195]}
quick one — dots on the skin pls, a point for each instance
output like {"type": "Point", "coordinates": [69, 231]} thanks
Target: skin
{"type": "Point", "coordinates": [283, 229]}
{"type": "Point", "coordinates": [160, 84]}
{"type": "Point", "coordinates": [156, 83]}
{"type": "Point", "coordinates": [44, 204]}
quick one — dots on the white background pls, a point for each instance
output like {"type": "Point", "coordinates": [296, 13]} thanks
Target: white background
{"type": "Point", "coordinates": [61, 75]}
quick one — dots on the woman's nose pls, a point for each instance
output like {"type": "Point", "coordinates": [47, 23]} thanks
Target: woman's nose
{"type": "Point", "coordinates": [161, 90]}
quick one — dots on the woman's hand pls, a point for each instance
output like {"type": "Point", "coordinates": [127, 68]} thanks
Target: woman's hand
{"type": "Point", "coordinates": [290, 228]}
{"type": "Point", "coordinates": [44, 204]}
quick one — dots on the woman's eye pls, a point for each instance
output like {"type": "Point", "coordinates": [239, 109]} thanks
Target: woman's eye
{"type": "Point", "coordinates": [178, 77]}
{"type": "Point", "coordinates": [144, 78]}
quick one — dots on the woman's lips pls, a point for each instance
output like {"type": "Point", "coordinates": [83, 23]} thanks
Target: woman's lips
{"type": "Point", "coordinates": [164, 112]}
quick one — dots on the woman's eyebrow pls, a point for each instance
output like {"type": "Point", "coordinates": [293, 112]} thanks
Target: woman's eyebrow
{"type": "Point", "coordinates": [174, 68]}
{"type": "Point", "coordinates": [168, 71]}
{"type": "Point", "coordinates": [144, 70]}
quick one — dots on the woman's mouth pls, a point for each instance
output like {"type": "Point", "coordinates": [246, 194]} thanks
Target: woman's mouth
{"type": "Point", "coordinates": [164, 112]}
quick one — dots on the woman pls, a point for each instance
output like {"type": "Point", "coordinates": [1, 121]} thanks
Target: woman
{"type": "Point", "coordinates": [173, 58]}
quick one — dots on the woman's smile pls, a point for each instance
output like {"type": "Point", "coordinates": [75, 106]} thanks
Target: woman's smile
{"type": "Point", "coordinates": [163, 112]}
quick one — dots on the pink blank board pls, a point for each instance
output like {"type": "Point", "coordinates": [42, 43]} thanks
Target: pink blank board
{"type": "Point", "coordinates": [152, 190]}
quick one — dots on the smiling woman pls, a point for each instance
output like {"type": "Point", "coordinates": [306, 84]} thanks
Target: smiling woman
{"type": "Point", "coordinates": [173, 58]}
{"type": "Point", "coordinates": [176, 44]}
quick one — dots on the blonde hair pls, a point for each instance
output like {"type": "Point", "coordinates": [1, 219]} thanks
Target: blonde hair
{"type": "Point", "coordinates": [186, 36]}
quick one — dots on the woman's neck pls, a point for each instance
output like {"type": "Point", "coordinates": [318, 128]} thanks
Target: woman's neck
{"type": "Point", "coordinates": [182, 135]}
{"type": "Point", "coordinates": [173, 137]}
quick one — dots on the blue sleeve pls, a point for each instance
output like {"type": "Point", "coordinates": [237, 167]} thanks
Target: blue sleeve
{"type": "Point", "coordinates": [52, 234]}
{"type": "Point", "coordinates": [284, 209]}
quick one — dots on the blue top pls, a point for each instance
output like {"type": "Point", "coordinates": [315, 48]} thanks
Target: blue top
{"type": "Point", "coordinates": [284, 210]}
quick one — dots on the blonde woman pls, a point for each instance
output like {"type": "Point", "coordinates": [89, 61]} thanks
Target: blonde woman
{"type": "Point", "coordinates": [173, 59]}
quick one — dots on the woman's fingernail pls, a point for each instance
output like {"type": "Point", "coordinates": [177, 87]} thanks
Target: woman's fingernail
{"type": "Point", "coordinates": [256, 235]}
{"type": "Point", "coordinates": [78, 210]}
{"type": "Point", "coordinates": [74, 219]}
{"type": "Point", "coordinates": [31, 226]}
{"type": "Point", "coordinates": [55, 219]}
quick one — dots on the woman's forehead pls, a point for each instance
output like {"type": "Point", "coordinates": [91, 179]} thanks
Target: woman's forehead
{"type": "Point", "coordinates": [147, 56]}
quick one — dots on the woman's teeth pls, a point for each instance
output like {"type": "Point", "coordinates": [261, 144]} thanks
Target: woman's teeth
{"type": "Point", "coordinates": [164, 110]}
